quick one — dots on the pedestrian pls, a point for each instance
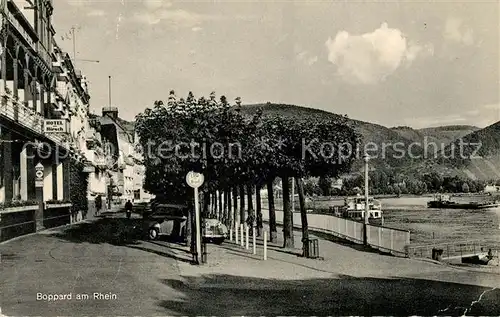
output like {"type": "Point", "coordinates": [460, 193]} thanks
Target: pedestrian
{"type": "Point", "coordinates": [98, 205]}
{"type": "Point", "coordinates": [128, 209]}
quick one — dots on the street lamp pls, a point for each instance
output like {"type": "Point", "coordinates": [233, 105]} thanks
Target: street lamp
{"type": "Point", "coordinates": [367, 206]}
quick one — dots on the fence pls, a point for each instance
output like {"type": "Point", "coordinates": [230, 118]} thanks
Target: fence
{"type": "Point", "coordinates": [385, 239]}
{"type": "Point", "coordinates": [451, 250]}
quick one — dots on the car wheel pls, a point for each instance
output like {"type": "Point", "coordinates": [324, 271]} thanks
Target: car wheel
{"type": "Point", "coordinates": [153, 234]}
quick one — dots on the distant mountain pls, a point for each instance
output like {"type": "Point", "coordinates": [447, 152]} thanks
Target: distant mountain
{"type": "Point", "coordinates": [377, 136]}
{"type": "Point", "coordinates": [485, 168]}
{"type": "Point", "coordinates": [476, 154]}
{"type": "Point", "coordinates": [442, 135]}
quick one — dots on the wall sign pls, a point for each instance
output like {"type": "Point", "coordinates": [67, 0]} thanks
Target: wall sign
{"type": "Point", "coordinates": [55, 126]}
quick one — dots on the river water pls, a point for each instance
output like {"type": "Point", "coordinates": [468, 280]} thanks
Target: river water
{"type": "Point", "coordinates": [441, 225]}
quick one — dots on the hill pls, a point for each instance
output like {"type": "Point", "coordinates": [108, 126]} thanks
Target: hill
{"type": "Point", "coordinates": [419, 161]}
{"type": "Point", "coordinates": [476, 154]}
{"type": "Point", "coordinates": [381, 141]}
{"type": "Point", "coordinates": [442, 135]}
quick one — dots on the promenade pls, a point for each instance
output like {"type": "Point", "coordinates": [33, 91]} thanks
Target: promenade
{"type": "Point", "coordinates": [346, 281]}
{"type": "Point", "coordinates": [156, 278]}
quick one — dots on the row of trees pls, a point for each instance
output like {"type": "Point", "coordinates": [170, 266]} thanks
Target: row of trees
{"type": "Point", "coordinates": [238, 156]}
{"type": "Point", "coordinates": [382, 182]}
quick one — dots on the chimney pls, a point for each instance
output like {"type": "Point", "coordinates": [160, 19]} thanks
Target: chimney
{"type": "Point", "coordinates": [110, 111]}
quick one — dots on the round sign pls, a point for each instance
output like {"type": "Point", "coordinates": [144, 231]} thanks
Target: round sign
{"type": "Point", "coordinates": [195, 180]}
{"type": "Point", "coordinates": [39, 174]}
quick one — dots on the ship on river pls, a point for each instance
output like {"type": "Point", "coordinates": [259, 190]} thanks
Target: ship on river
{"type": "Point", "coordinates": [444, 202]}
{"type": "Point", "coordinates": [354, 209]}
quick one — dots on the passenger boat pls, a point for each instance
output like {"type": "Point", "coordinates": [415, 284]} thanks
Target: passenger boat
{"type": "Point", "coordinates": [444, 202]}
{"type": "Point", "coordinates": [354, 208]}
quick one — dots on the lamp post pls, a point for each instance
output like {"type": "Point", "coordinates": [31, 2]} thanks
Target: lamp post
{"type": "Point", "coordinates": [367, 206]}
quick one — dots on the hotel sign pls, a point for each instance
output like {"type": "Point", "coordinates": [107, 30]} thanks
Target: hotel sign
{"type": "Point", "coordinates": [55, 126]}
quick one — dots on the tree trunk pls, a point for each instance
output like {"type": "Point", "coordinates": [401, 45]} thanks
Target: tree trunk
{"type": "Point", "coordinates": [273, 234]}
{"type": "Point", "coordinates": [303, 217]}
{"type": "Point", "coordinates": [206, 203]}
{"type": "Point", "coordinates": [287, 215]}
{"type": "Point", "coordinates": [242, 204]}
{"type": "Point", "coordinates": [251, 211]}
{"type": "Point", "coordinates": [214, 211]}
{"type": "Point", "coordinates": [230, 219]}
{"type": "Point", "coordinates": [258, 208]}
{"type": "Point", "coordinates": [235, 206]}
{"type": "Point", "coordinates": [221, 205]}
{"type": "Point", "coordinates": [189, 230]}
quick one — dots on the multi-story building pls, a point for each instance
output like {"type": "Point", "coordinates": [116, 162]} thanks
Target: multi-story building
{"type": "Point", "coordinates": [43, 110]}
{"type": "Point", "coordinates": [27, 100]}
{"type": "Point", "coordinates": [72, 93]}
{"type": "Point", "coordinates": [128, 172]}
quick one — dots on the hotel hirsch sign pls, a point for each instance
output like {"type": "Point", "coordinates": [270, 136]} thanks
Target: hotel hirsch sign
{"type": "Point", "coordinates": [55, 126]}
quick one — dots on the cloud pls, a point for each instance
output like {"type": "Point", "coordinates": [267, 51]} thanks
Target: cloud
{"type": "Point", "coordinates": [79, 3]}
{"type": "Point", "coordinates": [304, 56]}
{"type": "Point", "coordinates": [157, 4]}
{"type": "Point", "coordinates": [371, 57]}
{"type": "Point", "coordinates": [96, 13]}
{"type": "Point", "coordinates": [453, 31]}
{"type": "Point", "coordinates": [174, 17]}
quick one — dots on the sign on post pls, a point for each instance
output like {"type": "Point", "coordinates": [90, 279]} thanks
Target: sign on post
{"type": "Point", "coordinates": [195, 180]}
{"type": "Point", "coordinates": [39, 175]}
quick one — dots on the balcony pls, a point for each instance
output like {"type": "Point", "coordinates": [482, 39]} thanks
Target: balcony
{"type": "Point", "coordinates": [57, 67]}
{"type": "Point", "coordinates": [21, 24]}
{"type": "Point", "coordinates": [22, 115]}
{"type": "Point", "coordinates": [44, 55]}
{"type": "Point", "coordinates": [92, 139]}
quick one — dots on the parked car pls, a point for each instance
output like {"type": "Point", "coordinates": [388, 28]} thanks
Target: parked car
{"type": "Point", "coordinates": [170, 220]}
{"type": "Point", "coordinates": [214, 231]}
{"type": "Point", "coordinates": [163, 220]}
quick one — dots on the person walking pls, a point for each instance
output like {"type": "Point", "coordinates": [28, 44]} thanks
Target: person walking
{"type": "Point", "coordinates": [128, 209]}
{"type": "Point", "coordinates": [98, 205]}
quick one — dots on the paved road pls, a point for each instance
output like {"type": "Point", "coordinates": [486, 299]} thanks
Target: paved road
{"type": "Point", "coordinates": [145, 278]}
{"type": "Point", "coordinates": [86, 259]}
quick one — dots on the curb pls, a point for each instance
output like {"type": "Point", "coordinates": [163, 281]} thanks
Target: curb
{"type": "Point", "coordinates": [44, 231]}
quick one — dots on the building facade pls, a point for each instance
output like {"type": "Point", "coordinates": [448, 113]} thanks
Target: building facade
{"type": "Point", "coordinates": [125, 167]}
{"type": "Point", "coordinates": [44, 128]}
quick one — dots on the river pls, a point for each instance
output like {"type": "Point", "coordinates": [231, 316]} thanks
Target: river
{"type": "Point", "coordinates": [441, 225]}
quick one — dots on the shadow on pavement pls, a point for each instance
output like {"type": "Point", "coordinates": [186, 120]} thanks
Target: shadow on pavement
{"type": "Point", "coordinates": [218, 295]}
{"type": "Point", "coordinates": [118, 232]}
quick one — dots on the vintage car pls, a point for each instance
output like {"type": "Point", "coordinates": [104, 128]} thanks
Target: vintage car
{"type": "Point", "coordinates": [214, 231]}
{"type": "Point", "coordinates": [171, 219]}
{"type": "Point", "coordinates": [166, 220]}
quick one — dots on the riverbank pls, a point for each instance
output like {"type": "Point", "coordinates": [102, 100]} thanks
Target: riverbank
{"type": "Point", "coordinates": [347, 280]}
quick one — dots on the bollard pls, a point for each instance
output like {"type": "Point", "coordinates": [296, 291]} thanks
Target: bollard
{"type": "Point", "coordinates": [247, 233]}
{"type": "Point", "coordinates": [254, 242]}
{"type": "Point", "coordinates": [236, 234]}
{"type": "Point", "coordinates": [231, 234]}
{"type": "Point", "coordinates": [265, 245]}
{"type": "Point", "coordinates": [242, 237]}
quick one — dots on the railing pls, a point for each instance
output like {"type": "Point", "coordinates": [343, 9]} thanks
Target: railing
{"type": "Point", "coordinates": [386, 239]}
{"type": "Point", "coordinates": [12, 19]}
{"type": "Point", "coordinates": [451, 250]}
{"type": "Point", "coordinates": [45, 55]}
{"type": "Point", "coordinates": [30, 119]}
{"type": "Point", "coordinates": [16, 111]}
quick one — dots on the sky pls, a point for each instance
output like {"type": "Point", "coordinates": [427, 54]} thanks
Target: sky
{"type": "Point", "coordinates": [406, 63]}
